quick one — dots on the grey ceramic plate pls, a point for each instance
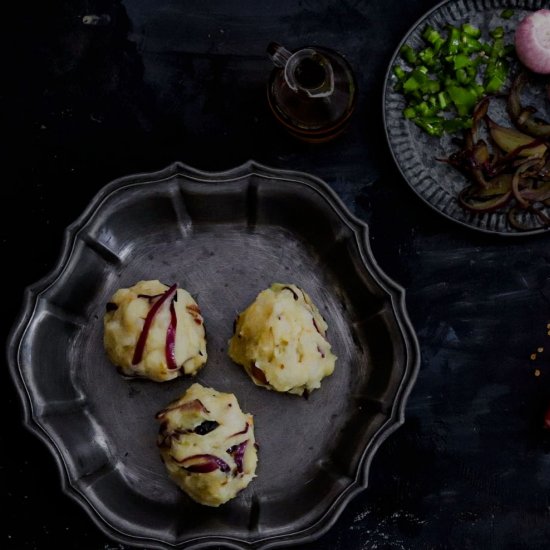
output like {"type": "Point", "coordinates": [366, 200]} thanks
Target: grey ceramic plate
{"type": "Point", "coordinates": [224, 237]}
{"type": "Point", "coordinates": [436, 183]}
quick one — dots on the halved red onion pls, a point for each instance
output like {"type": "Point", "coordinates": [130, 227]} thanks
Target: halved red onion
{"type": "Point", "coordinates": [140, 346]}
{"type": "Point", "coordinates": [533, 41]}
{"type": "Point", "coordinates": [237, 452]}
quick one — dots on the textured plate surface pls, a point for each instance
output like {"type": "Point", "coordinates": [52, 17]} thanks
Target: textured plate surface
{"type": "Point", "coordinates": [415, 152]}
{"type": "Point", "coordinates": [224, 237]}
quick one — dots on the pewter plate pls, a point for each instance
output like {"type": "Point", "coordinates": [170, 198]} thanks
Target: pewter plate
{"type": "Point", "coordinates": [415, 152]}
{"type": "Point", "coordinates": [224, 237]}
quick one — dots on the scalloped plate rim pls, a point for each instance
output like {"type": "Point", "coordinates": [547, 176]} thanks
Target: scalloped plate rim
{"type": "Point", "coordinates": [394, 291]}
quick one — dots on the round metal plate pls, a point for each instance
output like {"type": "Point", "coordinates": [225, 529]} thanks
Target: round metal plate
{"type": "Point", "coordinates": [416, 153]}
{"type": "Point", "coordinates": [223, 237]}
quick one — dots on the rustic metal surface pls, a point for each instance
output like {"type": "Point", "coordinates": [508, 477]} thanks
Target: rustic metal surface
{"type": "Point", "coordinates": [168, 81]}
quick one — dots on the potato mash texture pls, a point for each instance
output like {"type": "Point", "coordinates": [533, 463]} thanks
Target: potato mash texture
{"type": "Point", "coordinates": [207, 445]}
{"type": "Point", "coordinates": [280, 341]}
{"type": "Point", "coordinates": [154, 331]}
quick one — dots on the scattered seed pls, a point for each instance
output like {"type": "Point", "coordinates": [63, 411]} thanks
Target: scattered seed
{"type": "Point", "coordinates": [540, 350]}
{"type": "Point", "coordinates": [533, 356]}
{"type": "Point", "coordinates": [537, 372]}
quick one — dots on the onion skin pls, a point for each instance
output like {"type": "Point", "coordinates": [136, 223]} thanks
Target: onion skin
{"type": "Point", "coordinates": [533, 41]}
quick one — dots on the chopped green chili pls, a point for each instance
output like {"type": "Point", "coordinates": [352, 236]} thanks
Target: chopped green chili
{"type": "Point", "coordinates": [507, 14]}
{"type": "Point", "coordinates": [444, 80]}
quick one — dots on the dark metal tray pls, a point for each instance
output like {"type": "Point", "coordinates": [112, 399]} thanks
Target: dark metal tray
{"type": "Point", "coordinates": [224, 237]}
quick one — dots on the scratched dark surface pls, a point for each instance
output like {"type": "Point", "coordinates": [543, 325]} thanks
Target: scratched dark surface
{"type": "Point", "coordinates": [166, 81]}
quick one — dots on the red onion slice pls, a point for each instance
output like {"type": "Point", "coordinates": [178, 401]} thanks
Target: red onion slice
{"type": "Point", "coordinates": [243, 431]}
{"type": "Point", "coordinates": [317, 327]}
{"type": "Point", "coordinates": [209, 463]}
{"type": "Point", "coordinates": [259, 375]}
{"type": "Point", "coordinates": [170, 348]}
{"type": "Point", "coordinates": [140, 346]}
{"type": "Point", "coordinates": [237, 452]}
{"type": "Point", "coordinates": [195, 405]}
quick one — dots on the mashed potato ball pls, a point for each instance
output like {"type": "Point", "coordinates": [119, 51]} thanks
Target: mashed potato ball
{"type": "Point", "coordinates": [154, 331]}
{"type": "Point", "coordinates": [207, 445]}
{"type": "Point", "coordinates": [280, 341]}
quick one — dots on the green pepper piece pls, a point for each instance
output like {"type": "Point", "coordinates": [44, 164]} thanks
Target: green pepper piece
{"type": "Point", "coordinates": [494, 84]}
{"type": "Point", "coordinates": [431, 87]}
{"type": "Point", "coordinates": [478, 89]}
{"type": "Point", "coordinates": [431, 35]}
{"type": "Point", "coordinates": [443, 99]}
{"type": "Point", "coordinates": [424, 110]}
{"type": "Point", "coordinates": [470, 30]}
{"type": "Point", "coordinates": [408, 54]}
{"type": "Point", "coordinates": [399, 72]}
{"type": "Point", "coordinates": [431, 125]}
{"type": "Point", "coordinates": [453, 42]}
{"type": "Point", "coordinates": [470, 44]}
{"type": "Point", "coordinates": [462, 77]}
{"type": "Point", "coordinates": [434, 105]}
{"type": "Point", "coordinates": [463, 99]}
{"type": "Point", "coordinates": [438, 44]}
{"type": "Point", "coordinates": [427, 56]}
{"type": "Point", "coordinates": [495, 76]}
{"type": "Point", "coordinates": [416, 80]}
{"type": "Point", "coordinates": [497, 48]}
{"type": "Point", "coordinates": [497, 32]}
{"type": "Point", "coordinates": [409, 112]}
{"type": "Point", "coordinates": [507, 14]}
{"type": "Point", "coordinates": [460, 60]}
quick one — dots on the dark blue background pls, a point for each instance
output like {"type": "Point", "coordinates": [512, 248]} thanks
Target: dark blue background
{"type": "Point", "coordinates": [185, 80]}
